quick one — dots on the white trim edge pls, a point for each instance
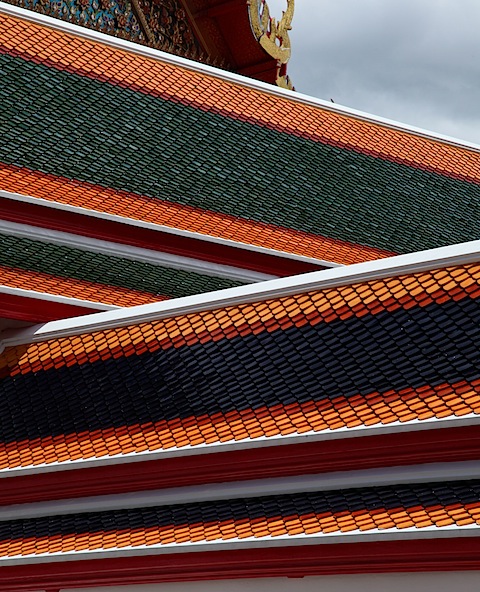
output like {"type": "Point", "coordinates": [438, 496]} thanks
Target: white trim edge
{"type": "Point", "coordinates": [379, 477]}
{"type": "Point", "coordinates": [354, 536]}
{"type": "Point", "coordinates": [112, 249]}
{"type": "Point", "coordinates": [247, 444]}
{"type": "Point", "coordinates": [461, 254]}
{"type": "Point", "coordinates": [21, 293]}
{"type": "Point", "coordinates": [38, 201]}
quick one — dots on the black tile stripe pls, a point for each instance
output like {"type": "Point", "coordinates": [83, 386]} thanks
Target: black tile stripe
{"type": "Point", "coordinates": [72, 126]}
{"type": "Point", "coordinates": [406, 348]}
{"type": "Point", "coordinates": [351, 500]}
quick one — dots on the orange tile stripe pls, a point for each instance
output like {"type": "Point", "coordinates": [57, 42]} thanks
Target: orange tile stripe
{"type": "Point", "coordinates": [446, 400]}
{"type": "Point", "coordinates": [309, 524]}
{"type": "Point", "coordinates": [72, 288]}
{"type": "Point", "coordinates": [64, 51]}
{"type": "Point", "coordinates": [148, 209]}
{"type": "Point", "coordinates": [310, 308]}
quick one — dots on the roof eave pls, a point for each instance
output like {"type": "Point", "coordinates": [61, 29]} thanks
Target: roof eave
{"type": "Point", "coordinates": [461, 254]}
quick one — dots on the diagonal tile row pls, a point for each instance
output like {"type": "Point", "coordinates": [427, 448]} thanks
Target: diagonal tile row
{"type": "Point", "coordinates": [392, 508]}
{"type": "Point", "coordinates": [393, 350]}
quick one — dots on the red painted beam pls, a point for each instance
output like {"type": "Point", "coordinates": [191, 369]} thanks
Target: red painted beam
{"type": "Point", "coordinates": [429, 555]}
{"type": "Point", "coordinates": [34, 310]}
{"type": "Point", "coordinates": [219, 9]}
{"type": "Point", "coordinates": [409, 448]}
{"type": "Point", "coordinates": [117, 232]}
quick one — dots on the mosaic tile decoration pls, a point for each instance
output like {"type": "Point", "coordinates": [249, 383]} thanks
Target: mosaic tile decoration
{"type": "Point", "coordinates": [162, 24]}
{"type": "Point", "coordinates": [114, 17]}
{"type": "Point", "coordinates": [394, 350]}
{"type": "Point", "coordinates": [392, 508]}
{"type": "Point", "coordinates": [160, 143]}
{"type": "Point", "coordinates": [46, 267]}
{"type": "Point", "coordinates": [170, 28]}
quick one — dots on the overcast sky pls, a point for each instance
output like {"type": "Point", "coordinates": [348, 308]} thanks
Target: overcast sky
{"type": "Point", "coordinates": [415, 61]}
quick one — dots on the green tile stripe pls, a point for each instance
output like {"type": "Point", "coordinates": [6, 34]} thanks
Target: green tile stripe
{"type": "Point", "coordinates": [39, 256]}
{"type": "Point", "coordinates": [76, 127]}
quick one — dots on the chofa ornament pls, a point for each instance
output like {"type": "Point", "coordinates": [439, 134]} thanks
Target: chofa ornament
{"type": "Point", "coordinates": [273, 35]}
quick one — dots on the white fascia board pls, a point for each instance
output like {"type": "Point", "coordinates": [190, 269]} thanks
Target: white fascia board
{"type": "Point", "coordinates": [236, 79]}
{"type": "Point", "coordinates": [331, 538]}
{"type": "Point", "coordinates": [460, 254]}
{"type": "Point", "coordinates": [379, 477]}
{"type": "Point", "coordinates": [38, 201]}
{"type": "Point", "coordinates": [21, 293]}
{"type": "Point", "coordinates": [55, 298]}
{"type": "Point", "coordinates": [247, 444]}
{"type": "Point", "coordinates": [158, 258]}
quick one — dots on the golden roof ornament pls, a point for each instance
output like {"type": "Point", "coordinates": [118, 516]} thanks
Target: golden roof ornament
{"type": "Point", "coordinates": [273, 35]}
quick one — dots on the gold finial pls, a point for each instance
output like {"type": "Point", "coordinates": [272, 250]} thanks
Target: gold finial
{"type": "Point", "coordinates": [272, 34]}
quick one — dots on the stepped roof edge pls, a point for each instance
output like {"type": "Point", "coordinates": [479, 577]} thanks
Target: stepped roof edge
{"type": "Point", "coordinates": [460, 254]}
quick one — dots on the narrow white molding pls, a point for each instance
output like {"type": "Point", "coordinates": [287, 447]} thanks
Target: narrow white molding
{"type": "Point", "coordinates": [460, 254]}
{"type": "Point", "coordinates": [47, 296]}
{"type": "Point", "coordinates": [21, 293]}
{"type": "Point", "coordinates": [380, 477]}
{"type": "Point", "coordinates": [236, 79]}
{"type": "Point", "coordinates": [158, 258]}
{"type": "Point", "coordinates": [38, 201]}
{"type": "Point", "coordinates": [247, 444]}
{"type": "Point", "coordinates": [354, 536]}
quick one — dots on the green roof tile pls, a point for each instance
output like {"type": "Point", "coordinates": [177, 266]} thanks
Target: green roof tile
{"type": "Point", "coordinates": [79, 128]}
{"type": "Point", "coordinates": [33, 255]}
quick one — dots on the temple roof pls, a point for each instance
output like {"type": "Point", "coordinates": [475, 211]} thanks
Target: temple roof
{"type": "Point", "coordinates": [96, 277]}
{"type": "Point", "coordinates": [234, 35]}
{"type": "Point", "coordinates": [109, 126]}
{"type": "Point", "coordinates": [266, 373]}
{"type": "Point", "coordinates": [287, 519]}
{"type": "Point", "coordinates": [385, 349]}
{"type": "Point", "coordinates": [375, 344]}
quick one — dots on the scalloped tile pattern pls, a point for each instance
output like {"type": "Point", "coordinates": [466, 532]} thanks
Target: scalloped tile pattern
{"type": "Point", "coordinates": [388, 509]}
{"type": "Point", "coordinates": [53, 269]}
{"type": "Point", "coordinates": [194, 151]}
{"type": "Point", "coordinates": [395, 350]}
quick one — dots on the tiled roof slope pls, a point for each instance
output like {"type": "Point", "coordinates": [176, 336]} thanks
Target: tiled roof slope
{"type": "Point", "coordinates": [54, 269]}
{"type": "Point", "coordinates": [388, 509]}
{"type": "Point", "coordinates": [398, 349]}
{"type": "Point", "coordinates": [91, 124]}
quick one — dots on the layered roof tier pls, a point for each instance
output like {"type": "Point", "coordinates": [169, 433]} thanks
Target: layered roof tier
{"type": "Point", "coordinates": [106, 125]}
{"type": "Point", "coordinates": [401, 348]}
{"type": "Point", "coordinates": [389, 509]}
{"type": "Point", "coordinates": [307, 355]}
{"type": "Point", "coordinates": [245, 391]}
{"type": "Point", "coordinates": [207, 389]}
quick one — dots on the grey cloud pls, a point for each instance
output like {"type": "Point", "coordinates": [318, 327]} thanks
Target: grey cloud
{"type": "Point", "coordinates": [416, 61]}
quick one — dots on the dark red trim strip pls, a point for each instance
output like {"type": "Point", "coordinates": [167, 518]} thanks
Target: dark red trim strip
{"type": "Point", "coordinates": [455, 554]}
{"type": "Point", "coordinates": [84, 225]}
{"type": "Point", "coordinates": [34, 310]}
{"type": "Point", "coordinates": [445, 445]}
